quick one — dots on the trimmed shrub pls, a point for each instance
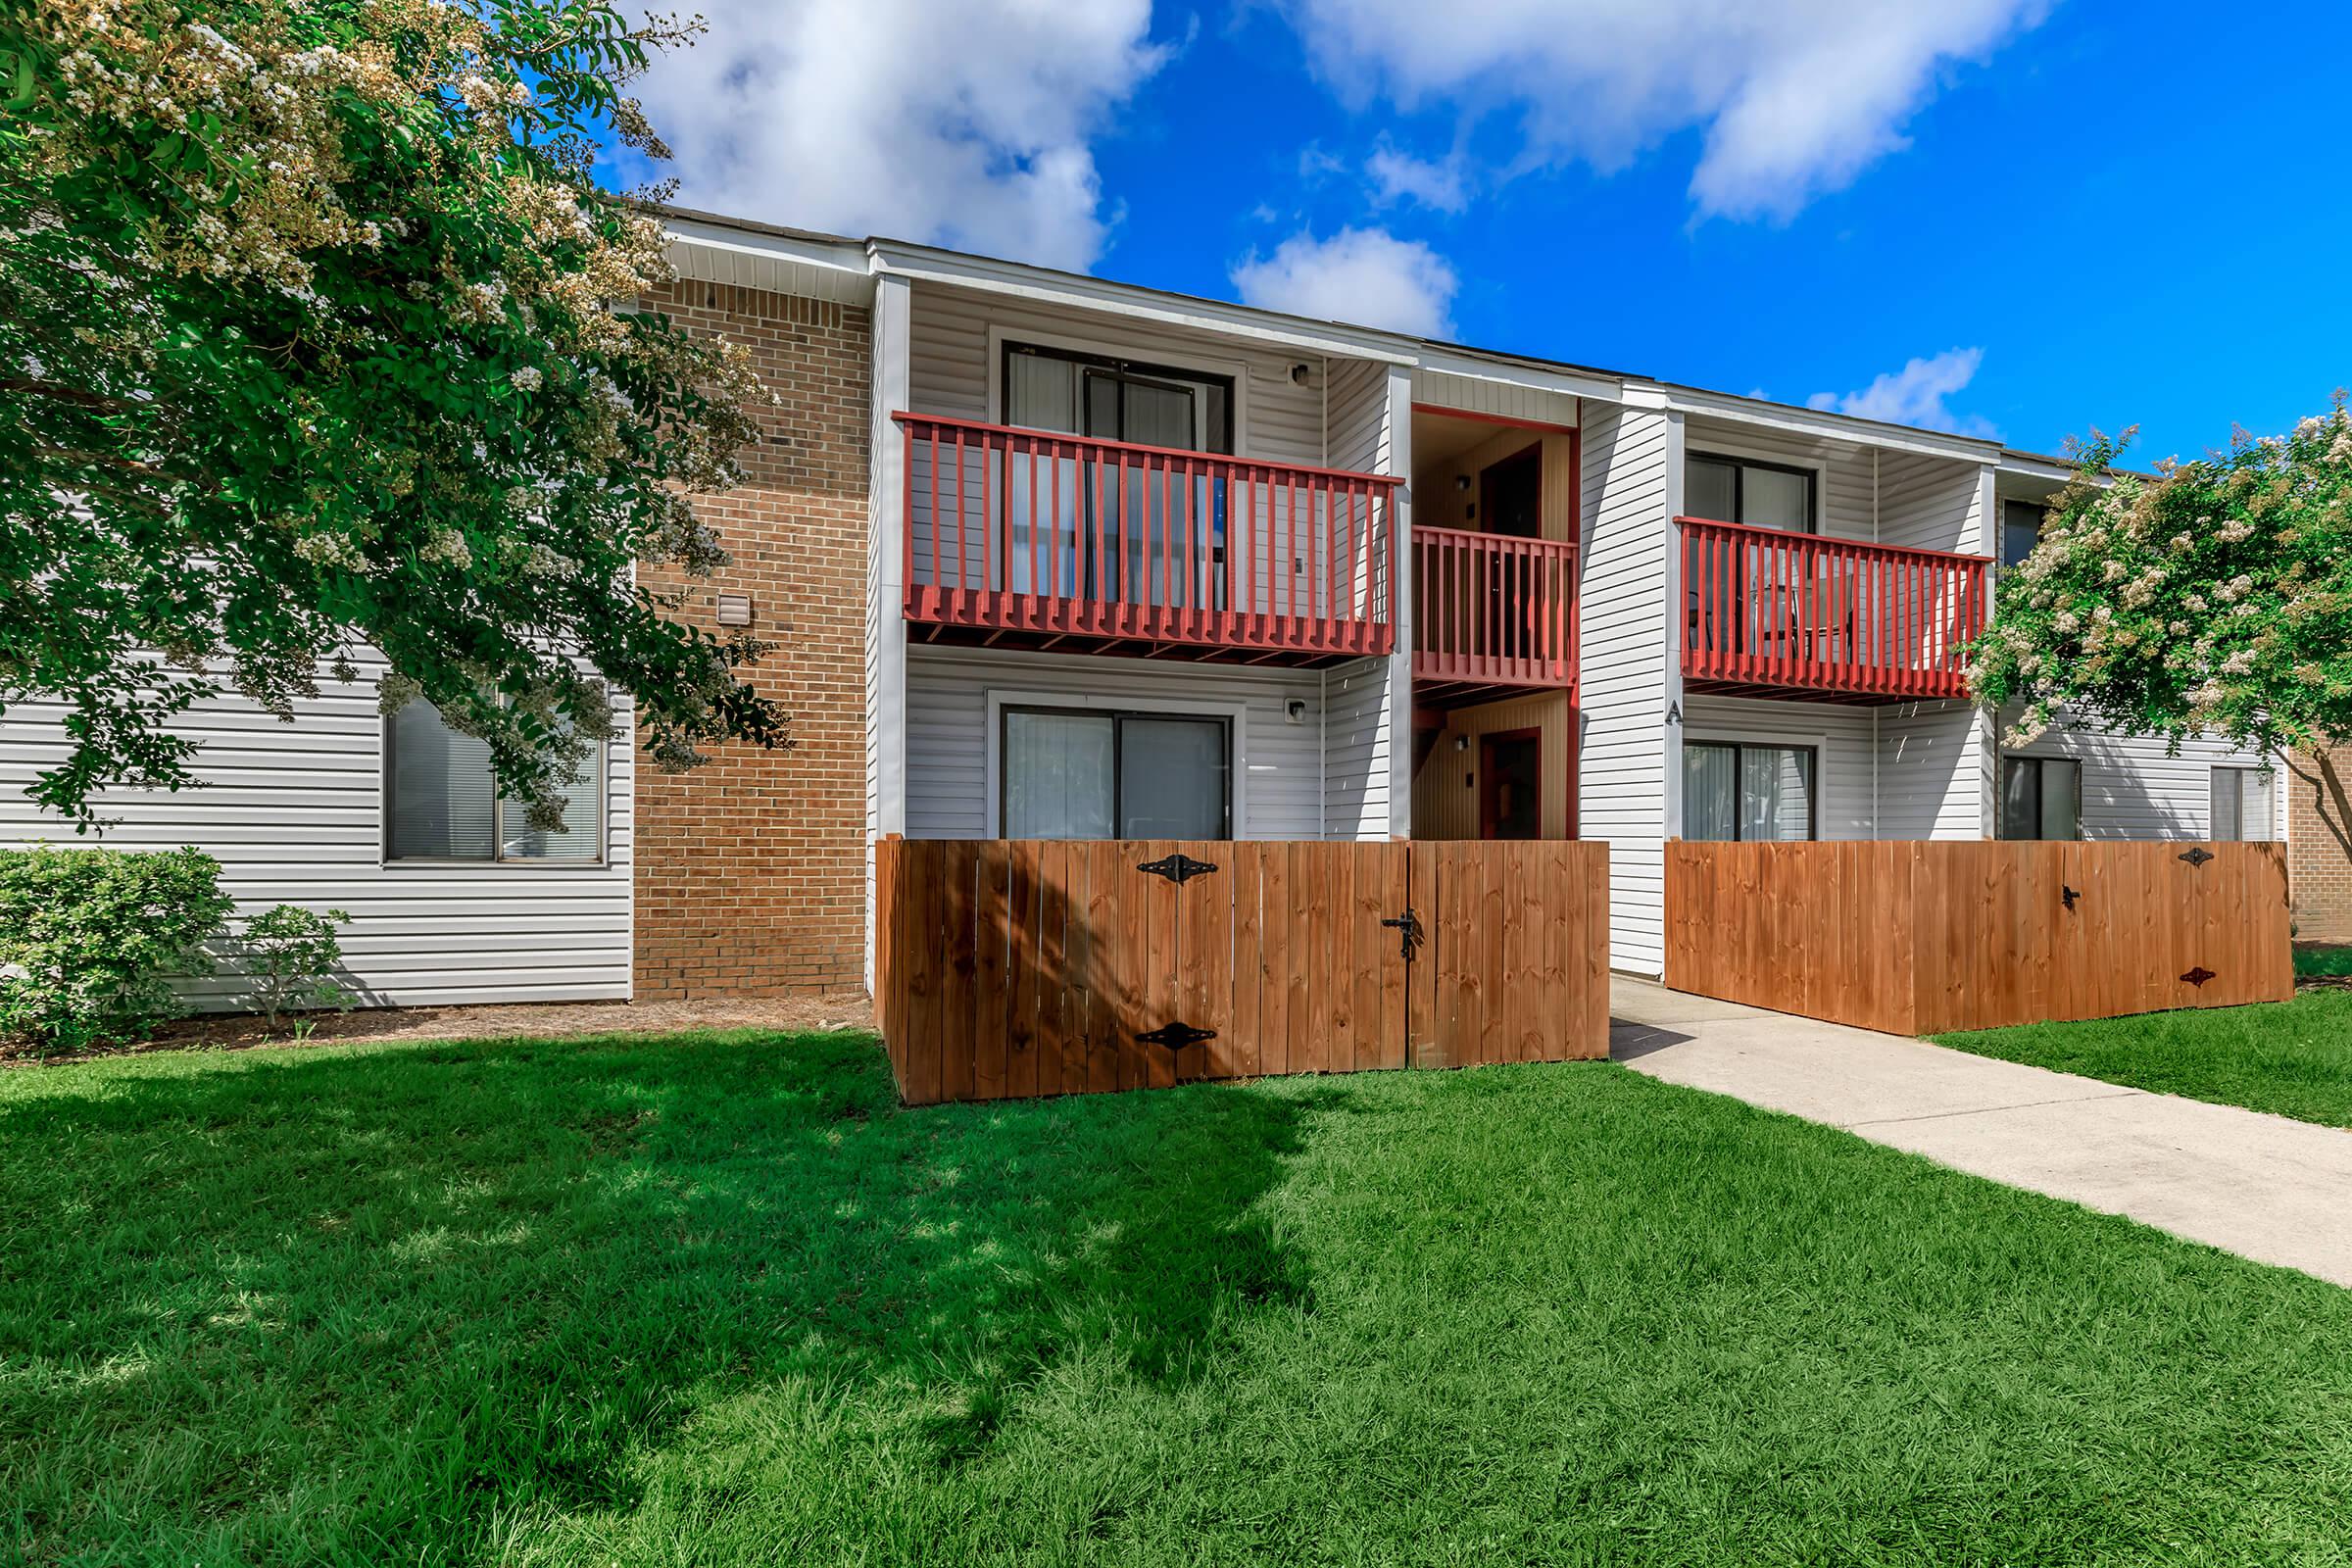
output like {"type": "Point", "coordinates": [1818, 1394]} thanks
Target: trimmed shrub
{"type": "Point", "coordinates": [90, 940]}
{"type": "Point", "coordinates": [289, 951]}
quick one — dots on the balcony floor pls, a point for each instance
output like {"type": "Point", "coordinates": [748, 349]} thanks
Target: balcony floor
{"type": "Point", "coordinates": [1834, 695]}
{"type": "Point", "coordinates": [933, 633]}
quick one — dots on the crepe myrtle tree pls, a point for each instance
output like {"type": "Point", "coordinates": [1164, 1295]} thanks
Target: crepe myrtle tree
{"type": "Point", "coordinates": [2213, 597]}
{"type": "Point", "coordinates": [318, 335]}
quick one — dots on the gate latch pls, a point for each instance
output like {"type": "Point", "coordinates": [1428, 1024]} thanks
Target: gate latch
{"type": "Point", "coordinates": [2068, 894]}
{"type": "Point", "coordinates": [1409, 933]}
{"type": "Point", "coordinates": [1176, 1035]}
{"type": "Point", "coordinates": [2197, 857]}
{"type": "Point", "coordinates": [2198, 976]}
{"type": "Point", "coordinates": [1178, 867]}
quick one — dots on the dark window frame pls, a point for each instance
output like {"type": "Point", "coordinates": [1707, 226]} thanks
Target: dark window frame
{"type": "Point", "coordinates": [1738, 772]}
{"type": "Point", "coordinates": [1737, 464]}
{"type": "Point", "coordinates": [1218, 442]}
{"type": "Point", "coordinates": [1118, 717]}
{"type": "Point", "coordinates": [2212, 828]}
{"type": "Point", "coordinates": [388, 773]}
{"type": "Point", "coordinates": [2000, 826]}
{"type": "Point", "coordinates": [2042, 520]}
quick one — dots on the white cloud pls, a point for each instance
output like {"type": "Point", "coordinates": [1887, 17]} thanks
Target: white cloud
{"type": "Point", "coordinates": [965, 124]}
{"type": "Point", "coordinates": [1366, 277]}
{"type": "Point", "coordinates": [1316, 164]}
{"type": "Point", "coordinates": [1794, 97]}
{"type": "Point", "coordinates": [1400, 176]}
{"type": "Point", "coordinates": [1915, 395]}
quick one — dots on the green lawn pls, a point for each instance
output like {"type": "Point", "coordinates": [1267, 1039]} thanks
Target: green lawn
{"type": "Point", "coordinates": [2313, 962]}
{"type": "Point", "coordinates": [712, 1300]}
{"type": "Point", "coordinates": [2290, 1057]}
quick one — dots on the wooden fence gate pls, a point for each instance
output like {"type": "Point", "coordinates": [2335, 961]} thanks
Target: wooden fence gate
{"type": "Point", "coordinates": [1017, 967]}
{"type": "Point", "coordinates": [1923, 937]}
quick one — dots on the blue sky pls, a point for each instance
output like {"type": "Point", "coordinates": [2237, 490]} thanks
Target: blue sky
{"type": "Point", "coordinates": [2014, 218]}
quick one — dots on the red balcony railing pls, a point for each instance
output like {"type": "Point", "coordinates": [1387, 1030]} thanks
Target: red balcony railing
{"type": "Point", "coordinates": [1013, 531]}
{"type": "Point", "coordinates": [1493, 610]}
{"type": "Point", "coordinates": [1804, 614]}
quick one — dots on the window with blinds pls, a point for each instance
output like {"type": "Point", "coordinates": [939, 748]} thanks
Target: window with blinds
{"type": "Point", "coordinates": [441, 802]}
{"type": "Point", "coordinates": [2242, 808]}
{"type": "Point", "coordinates": [1734, 793]}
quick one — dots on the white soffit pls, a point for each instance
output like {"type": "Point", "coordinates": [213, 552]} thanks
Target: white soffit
{"type": "Point", "coordinates": [924, 264]}
{"type": "Point", "coordinates": [779, 264]}
{"type": "Point", "coordinates": [1464, 381]}
{"type": "Point", "coordinates": [1822, 426]}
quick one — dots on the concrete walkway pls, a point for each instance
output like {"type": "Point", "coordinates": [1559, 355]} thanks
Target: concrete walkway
{"type": "Point", "coordinates": [2263, 1187]}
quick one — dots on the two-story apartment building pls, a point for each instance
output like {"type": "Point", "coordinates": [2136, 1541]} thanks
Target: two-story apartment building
{"type": "Point", "coordinates": [1051, 556]}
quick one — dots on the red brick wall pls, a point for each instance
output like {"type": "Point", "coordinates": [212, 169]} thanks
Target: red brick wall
{"type": "Point", "coordinates": [749, 870]}
{"type": "Point", "coordinates": [2317, 866]}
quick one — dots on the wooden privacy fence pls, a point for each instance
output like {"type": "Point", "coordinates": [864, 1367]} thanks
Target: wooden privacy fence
{"type": "Point", "coordinates": [1921, 937]}
{"type": "Point", "coordinates": [1018, 968]}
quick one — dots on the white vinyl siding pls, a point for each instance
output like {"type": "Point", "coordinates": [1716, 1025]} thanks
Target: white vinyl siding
{"type": "Point", "coordinates": [294, 812]}
{"type": "Point", "coordinates": [952, 369]}
{"type": "Point", "coordinates": [2133, 790]}
{"type": "Point", "coordinates": [1355, 758]}
{"type": "Point", "coordinates": [1843, 737]}
{"type": "Point", "coordinates": [1360, 716]}
{"type": "Point", "coordinates": [1623, 693]}
{"type": "Point", "coordinates": [1932, 771]}
{"type": "Point", "coordinates": [1494, 398]}
{"type": "Point", "coordinates": [1931, 503]}
{"type": "Point", "coordinates": [946, 729]}
{"type": "Point", "coordinates": [1842, 495]}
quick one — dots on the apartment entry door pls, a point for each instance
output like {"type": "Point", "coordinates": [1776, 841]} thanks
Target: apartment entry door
{"type": "Point", "coordinates": [1510, 784]}
{"type": "Point", "coordinates": [1510, 503]}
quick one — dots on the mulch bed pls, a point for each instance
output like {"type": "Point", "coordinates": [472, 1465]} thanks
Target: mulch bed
{"type": "Point", "coordinates": [533, 1020]}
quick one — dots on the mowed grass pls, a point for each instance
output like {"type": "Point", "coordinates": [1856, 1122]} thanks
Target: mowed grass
{"type": "Point", "coordinates": [715, 1300]}
{"type": "Point", "coordinates": [2293, 1058]}
{"type": "Point", "coordinates": [2314, 963]}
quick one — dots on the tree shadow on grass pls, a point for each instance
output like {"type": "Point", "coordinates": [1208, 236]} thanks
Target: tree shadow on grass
{"type": "Point", "coordinates": [336, 1299]}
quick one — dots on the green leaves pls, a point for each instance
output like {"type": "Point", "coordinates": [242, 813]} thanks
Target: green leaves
{"type": "Point", "coordinates": [2216, 597]}
{"type": "Point", "coordinates": [262, 312]}
{"type": "Point", "coordinates": [90, 940]}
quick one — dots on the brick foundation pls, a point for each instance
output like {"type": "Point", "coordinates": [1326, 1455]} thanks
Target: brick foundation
{"type": "Point", "coordinates": [2319, 868]}
{"type": "Point", "coordinates": [750, 870]}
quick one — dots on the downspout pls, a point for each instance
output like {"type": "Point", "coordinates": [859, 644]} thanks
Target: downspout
{"type": "Point", "coordinates": [1878, 805]}
{"type": "Point", "coordinates": [1322, 753]}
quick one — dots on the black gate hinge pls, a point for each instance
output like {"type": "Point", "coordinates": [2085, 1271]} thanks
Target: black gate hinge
{"type": "Point", "coordinates": [1409, 933]}
{"type": "Point", "coordinates": [1176, 1035]}
{"type": "Point", "coordinates": [2197, 857]}
{"type": "Point", "coordinates": [1178, 867]}
{"type": "Point", "coordinates": [2198, 976]}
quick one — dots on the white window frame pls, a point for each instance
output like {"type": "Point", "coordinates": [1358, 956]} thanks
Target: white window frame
{"type": "Point", "coordinates": [2269, 829]}
{"type": "Point", "coordinates": [1698, 447]}
{"type": "Point", "coordinates": [386, 861]}
{"type": "Point", "coordinates": [1235, 370]}
{"type": "Point", "coordinates": [1235, 714]}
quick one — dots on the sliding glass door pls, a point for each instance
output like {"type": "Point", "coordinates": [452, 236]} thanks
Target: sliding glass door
{"type": "Point", "coordinates": [1162, 539]}
{"type": "Point", "coordinates": [1080, 774]}
{"type": "Point", "coordinates": [1748, 793]}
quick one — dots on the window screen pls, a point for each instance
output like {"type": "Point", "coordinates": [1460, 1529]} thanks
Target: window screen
{"type": "Point", "coordinates": [2243, 807]}
{"type": "Point", "coordinates": [1076, 774]}
{"type": "Point", "coordinates": [1761, 495]}
{"type": "Point", "coordinates": [441, 804]}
